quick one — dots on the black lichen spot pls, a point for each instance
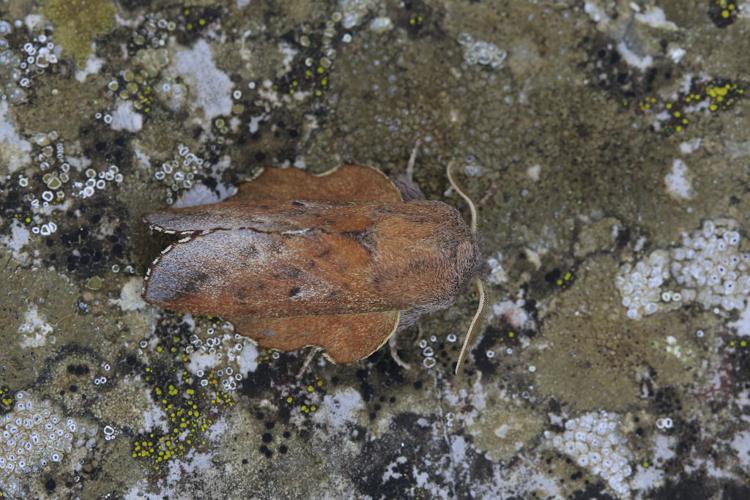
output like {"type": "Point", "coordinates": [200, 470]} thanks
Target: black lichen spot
{"type": "Point", "coordinates": [623, 237]}
{"type": "Point", "coordinates": [592, 492]}
{"type": "Point", "coordinates": [735, 491]}
{"type": "Point", "coordinates": [79, 370]}
{"type": "Point", "coordinates": [667, 401]}
{"type": "Point", "coordinates": [418, 19]}
{"type": "Point", "coordinates": [134, 4]}
{"type": "Point", "coordinates": [722, 12]}
{"type": "Point", "coordinates": [696, 487]}
{"type": "Point", "coordinates": [552, 276]}
{"type": "Point", "coordinates": [294, 292]}
{"type": "Point", "coordinates": [266, 451]}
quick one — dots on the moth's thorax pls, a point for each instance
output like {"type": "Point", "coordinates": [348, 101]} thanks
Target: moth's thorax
{"type": "Point", "coordinates": [426, 254]}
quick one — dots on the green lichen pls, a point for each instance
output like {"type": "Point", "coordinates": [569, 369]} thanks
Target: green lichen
{"type": "Point", "coordinates": [78, 23]}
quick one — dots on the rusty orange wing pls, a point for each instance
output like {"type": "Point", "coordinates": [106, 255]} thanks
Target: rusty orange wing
{"type": "Point", "coordinates": [346, 338]}
{"type": "Point", "coordinates": [245, 272]}
{"type": "Point", "coordinates": [348, 183]}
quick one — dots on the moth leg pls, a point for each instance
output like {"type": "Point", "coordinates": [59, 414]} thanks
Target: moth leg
{"type": "Point", "coordinates": [310, 356]}
{"type": "Point", "coordinates": [412, 161]}
{"type": "Point", "coordinates": [394, 354]}
{"type": "Point", "coordinates": [405, 182]}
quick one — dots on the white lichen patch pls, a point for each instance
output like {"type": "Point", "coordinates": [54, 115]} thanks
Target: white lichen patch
{"type": "Point", "coordinates": [154, 417]}
{"type": "Point", "coordinates": [202, 361]}
{"type": "Point", "coordinates": [534, 172]}
{"type": "Point", "coordinates": [741, 446]}
{"type": "Point", "coordinates": [708, 268]}
{"type": "Point", "coordinates": [647, 478]}
{"type": "Point", "coordinates": [742, 325]}
{"type": "Point", "coordinates": [247, 360]}
{"type": "Point", "coordinates": [481, 52]}
{"type": "Point", "coordinates": [130, 295]}
{"type": "Point", "coordinates": [677, 54]}
{"type": "Point", "coordinates": [288, 54]}
{"type": "Point", "coordinates": [381, 24]}
{"type": "Point", "coordinates": [200, 194]}
{"type": "Point", "coordinates": [513, 312]}
{"type": "Point", "coordinates": [92, 67]}
{"type": "Point", "coordinates": [691, 146]}
{"type": "Point", "coordinates": [632, 58]}
{"type": "Point", "coordinates": [595, 12]}
{"type": "Point", "coordinates": [498, 275]}
{"type": "Point", "coordinates": [229, 356]}
{"type": "Point", "coordinates": [595, 442]}
{"type": "Point", "coordinates": [34, 436]}
{"type": "Point", "coordinates": [16, 241]}
{"type": "Point", "coordinates": [655, 18]}
{"type": "Point", "coordinates": [125, 118]}
{"type": "Point", "coordinates": [35, 329]}
{"type": "Point", "coordinates": [210, 88]}
{"type": "Point", "coordinates": [14, 151]}
{"type": "Point", "coordinates": [340, 409]}
{"type": "Point", "coordinates": [678, 181]}
{"type": "Point", "coordinates": [355, 11]}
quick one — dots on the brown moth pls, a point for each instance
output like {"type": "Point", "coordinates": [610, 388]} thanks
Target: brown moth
{"type": "Point", "coordinates": [340, 261]}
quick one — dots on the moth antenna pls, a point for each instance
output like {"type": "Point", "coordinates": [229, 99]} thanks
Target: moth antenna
{"type": "Point", "coordinates": [473, 327]}
{"type": "Point", "coordinates": [454, 185]}
{"type": "Point", "coordinates": [475, 322]}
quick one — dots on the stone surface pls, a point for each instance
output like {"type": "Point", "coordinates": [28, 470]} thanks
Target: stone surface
{"type": "Point", "coordinates": [592, 135]}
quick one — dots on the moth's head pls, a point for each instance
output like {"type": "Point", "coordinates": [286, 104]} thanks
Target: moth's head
{"type": "Point", "coordinates": [469, 262]}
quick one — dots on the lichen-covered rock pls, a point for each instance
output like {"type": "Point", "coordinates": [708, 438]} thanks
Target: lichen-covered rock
{"type": "Point", "coordinates": [604, 144]}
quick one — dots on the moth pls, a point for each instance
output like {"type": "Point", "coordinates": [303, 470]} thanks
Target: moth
{"type": "Point", "coordinates": [341, 260]}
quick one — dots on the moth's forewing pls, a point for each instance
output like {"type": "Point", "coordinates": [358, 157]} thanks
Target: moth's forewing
{"type": "Point", "coordinates": [276, 199]}
{"type": "Point", "coordinates": [345, 337]}
{"type": "Point", "coordinates": [267, 216]}
{"type": "Point", "coordinates": [348, 183]}
{"type": "Point", "coordinates": [245, 272]}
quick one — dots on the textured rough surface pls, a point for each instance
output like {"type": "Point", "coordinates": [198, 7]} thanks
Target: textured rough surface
{"type": "Point", "coordinates": [605, 142]}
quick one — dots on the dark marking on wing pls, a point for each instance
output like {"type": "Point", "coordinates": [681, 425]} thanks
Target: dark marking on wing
{"type": "Point", "coordinates": [365, 238]}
